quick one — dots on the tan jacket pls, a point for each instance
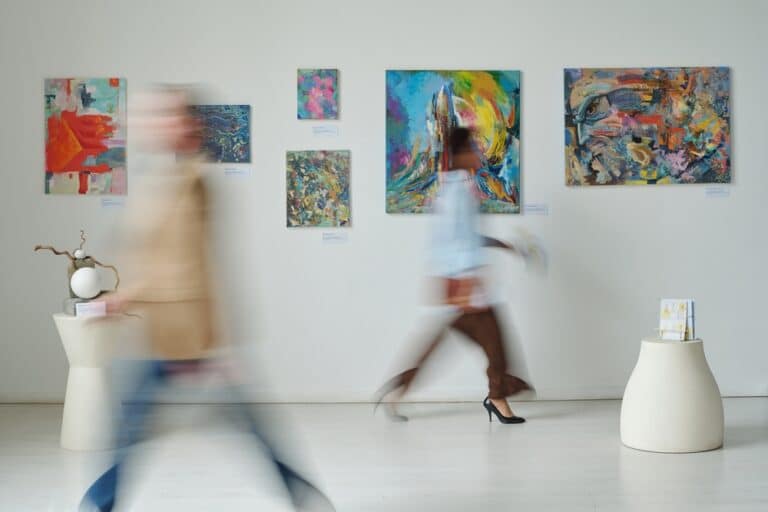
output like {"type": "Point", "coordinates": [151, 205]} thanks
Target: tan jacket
{"type": "Point", "coordinates": [168, 253]}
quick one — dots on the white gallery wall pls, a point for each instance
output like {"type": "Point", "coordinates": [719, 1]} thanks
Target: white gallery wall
{"type": "Point", "coordinates": [329, 322]}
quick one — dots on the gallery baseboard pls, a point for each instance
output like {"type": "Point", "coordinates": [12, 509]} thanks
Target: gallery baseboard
{"type": "Point", "coordinates": [543, 394]}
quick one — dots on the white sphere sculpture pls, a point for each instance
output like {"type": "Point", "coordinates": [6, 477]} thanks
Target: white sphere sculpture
{"type": "Point", "coordinates": [85, 283]}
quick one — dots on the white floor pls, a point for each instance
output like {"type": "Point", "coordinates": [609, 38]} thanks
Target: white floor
{"type": "Point", "coordinates": [567, 458]}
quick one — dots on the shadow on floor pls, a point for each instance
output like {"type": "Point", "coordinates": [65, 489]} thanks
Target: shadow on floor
{"type": "Point", "coordinates": [427, 411]}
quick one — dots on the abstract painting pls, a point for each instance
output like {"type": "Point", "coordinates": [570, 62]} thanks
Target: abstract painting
{"type": "Point", "coordinates": [318, 93]}
{"type": "Point", "coordinates": [85, 129]}
{"type": "Point", "coordinates": [227, 131]}
{"type": "Point", "coordinates": [318, 188]}
{"type": "Point", "coordinates": [645, 126]}
{"type": "Point", "coordinates": [422, 108]}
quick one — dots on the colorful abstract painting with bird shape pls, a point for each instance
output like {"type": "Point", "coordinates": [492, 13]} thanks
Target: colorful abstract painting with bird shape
{"type": "Point", "coordinates": [423, 107]}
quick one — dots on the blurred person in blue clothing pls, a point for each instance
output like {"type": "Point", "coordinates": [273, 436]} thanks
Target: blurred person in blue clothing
{"type": "Point", "coordinates": [457, 256]}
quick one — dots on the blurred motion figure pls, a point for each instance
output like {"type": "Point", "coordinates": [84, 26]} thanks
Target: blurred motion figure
{"type": "Point", "coordinates": [168, 251]}
{"type": "Point", "coordinates": [456, 258]}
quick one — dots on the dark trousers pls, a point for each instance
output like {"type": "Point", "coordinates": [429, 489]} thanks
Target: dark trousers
{"type": "Point", "coordinates": [481, 327]}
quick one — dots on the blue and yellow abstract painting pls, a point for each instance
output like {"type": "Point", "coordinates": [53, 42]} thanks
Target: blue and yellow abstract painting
{"type": "Point", "coordinates": [317, 188]}
{"type": "Point", "coordinates": [423, 107]}
{"type": "Point", "coordinates": [317, 93]}
{"type": "Point", "coordinates": [227, 131]}
{"type": "Point", "coordinates": [647, 126]}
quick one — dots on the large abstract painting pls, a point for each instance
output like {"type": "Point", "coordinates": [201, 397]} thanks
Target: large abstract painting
{"type": "Point", "coordinates": [647, 126]}
{"type": "Point", "coordinates": [85, 131]}
{"type": "Point", "coordinates": [422, 108]}
{"type": "Point", "coordinates": [318, 94]}
{"type": "Point", "coordinates": [318, 188]}
{"type": "Point", "coordinates": [227, 132]}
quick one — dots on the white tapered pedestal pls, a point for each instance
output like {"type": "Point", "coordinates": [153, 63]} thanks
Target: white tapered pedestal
{"type": "Point", "coordinates": [88, 420]}
{"type": "Point", "coordinates": [672, 403]}
{"type": "Point", "coordinates": [89, 410]}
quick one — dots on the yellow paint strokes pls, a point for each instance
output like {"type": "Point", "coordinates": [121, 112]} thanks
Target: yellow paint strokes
{"type": "Point", "coordinates": [635, 181]}
{"type": "Point", "coordinates": [481, 95]}
{"type": "Point", "coordinates": [483, 84]}
{"type": "Point", "coordinates": [710, 123]}
{"type": "Point", "coordinates": [575, 171]}
{"type": "Point", "coordinates": [497, 188]}
{"type": "Point", "coordinates": [640, 153]}
{"type": "Point", "coordinates": [416, 149]}
{"type": "Point", "coordinates": [490, 128]}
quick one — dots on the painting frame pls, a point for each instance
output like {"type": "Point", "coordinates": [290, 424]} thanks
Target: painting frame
{"type": "Point", "coordinates": [226, 132]}
{"type": "Point", "coordinates": [422, 105]}
{"type": "Point", "coordinates": [317, 94]}
{"type": "Point", "coordinates": [85, 136]}
{"type": "Point", "coordinates": [647, 126]}
{"type": "Point", "coordinates": [318, 188]}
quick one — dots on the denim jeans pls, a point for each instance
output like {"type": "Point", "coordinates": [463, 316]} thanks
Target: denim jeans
{"type": "Point", "coordinates": [154, 376]}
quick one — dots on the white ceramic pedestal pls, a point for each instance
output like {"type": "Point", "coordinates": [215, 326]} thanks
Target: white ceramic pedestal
{"type": "Point", "coordinates": [89, 411]}
{"type": "Point", "coordinates": [672, 403]}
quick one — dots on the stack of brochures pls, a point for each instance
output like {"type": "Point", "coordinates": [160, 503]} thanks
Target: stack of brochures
{"type": "Point", "coordinates": [677, 320]}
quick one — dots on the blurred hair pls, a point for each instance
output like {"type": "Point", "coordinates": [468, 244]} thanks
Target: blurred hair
{"type": "Point", "coordinates": [193, 94]}
{"type": "Point", "coordinates": [460, 140]}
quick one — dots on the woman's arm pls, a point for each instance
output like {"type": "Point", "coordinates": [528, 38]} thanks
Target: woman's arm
{"type": "Point", "coordinates": [493, 242]}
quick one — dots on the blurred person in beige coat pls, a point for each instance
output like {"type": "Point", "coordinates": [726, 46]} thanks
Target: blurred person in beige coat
{"type": "Point", "coordinates": [168, 285]}
{"type": "Point", "coordinates": [166, 235]}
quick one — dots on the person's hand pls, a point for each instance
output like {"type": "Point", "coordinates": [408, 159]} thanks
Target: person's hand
{"type": "Point", "coordinates": [115, 303]}
{"type": "Point", "coordinates": [495, 242]}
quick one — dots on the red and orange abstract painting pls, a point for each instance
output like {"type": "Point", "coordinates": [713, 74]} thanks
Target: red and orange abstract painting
{"type": "Point", "coordinates": [85, 132]}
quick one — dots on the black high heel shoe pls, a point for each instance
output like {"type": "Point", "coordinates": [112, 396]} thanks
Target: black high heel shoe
{"type": "Point", "coordinates": [502, 419]}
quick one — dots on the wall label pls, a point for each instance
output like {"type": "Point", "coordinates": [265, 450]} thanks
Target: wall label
{"type": "Point", "coordinates": [335, 237]}
{"type": "Point", "coordinates": [536, 209]}
{"type": "Point", "coordinates": [235, 171]}
{"type": "Point", "coordinates": [324, 130]}
{"type": "Point", "coordinates": [112, 202]}
{"type": "Point", "coordinates": [717, 192]}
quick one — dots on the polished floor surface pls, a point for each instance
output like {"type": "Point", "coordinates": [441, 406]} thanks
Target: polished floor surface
{"type": "Point", "coordinates": [567, 458]}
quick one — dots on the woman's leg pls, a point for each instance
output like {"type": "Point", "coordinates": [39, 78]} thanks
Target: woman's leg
{"type": "Point", "coordinates": [299, 488]}
{"type": "Point", "coordinates": [397, 386]}
{"type": "Point", "coordinates": [482, 327]}
{"type": "Point", "coordinates": [136, 409]}
{"type": "Point", "coordinates": [401, 382]}
{"type": "Point", "coordinates": [406, 378]}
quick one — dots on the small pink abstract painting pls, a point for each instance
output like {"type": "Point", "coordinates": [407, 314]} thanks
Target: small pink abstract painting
{"type": "Point", "coordinates": [318, 94]}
